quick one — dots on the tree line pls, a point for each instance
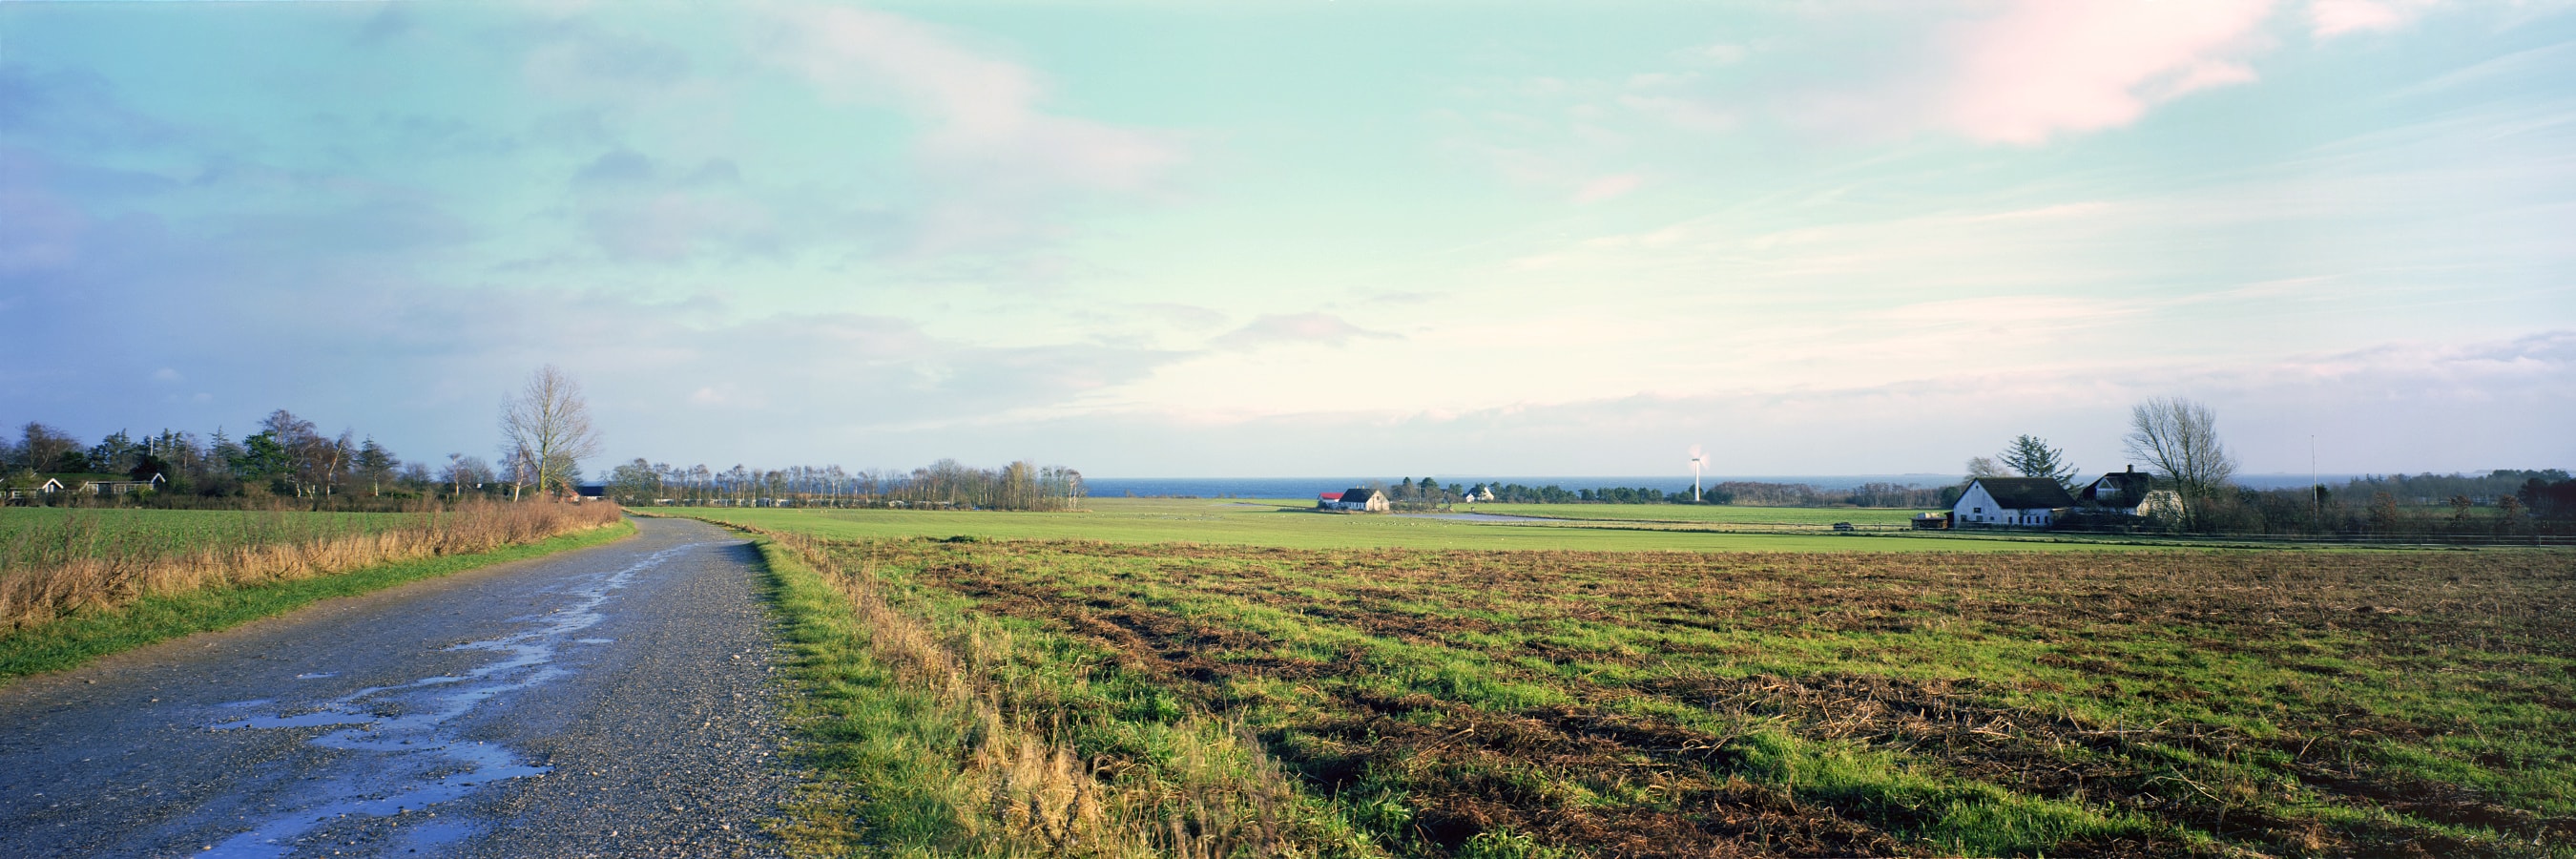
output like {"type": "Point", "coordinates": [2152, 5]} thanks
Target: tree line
{"type": "Point", "coordinates": [2178, 440]}
{"type": "Point", "coordinates": [287, 456]}
{"type": "Point", "coordinates": [1431, 492]}
{"type": "Point", "coordinates": [545, 432]}
{"type": "Point", "coordinates": [946, 484]}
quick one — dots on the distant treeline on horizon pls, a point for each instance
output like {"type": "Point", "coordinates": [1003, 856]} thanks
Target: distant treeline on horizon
{"type": "Point", "coordinates": [1820, 491]}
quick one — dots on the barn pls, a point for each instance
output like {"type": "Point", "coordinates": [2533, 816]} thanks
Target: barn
{"type": "Point", "coordinates": [1355, 498]}
{"type": "Point", "coordinates": [2016, 502]}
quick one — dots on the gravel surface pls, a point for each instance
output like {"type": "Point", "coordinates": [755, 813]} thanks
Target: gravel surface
{"type": "Point", "coordinates": [615, 701]}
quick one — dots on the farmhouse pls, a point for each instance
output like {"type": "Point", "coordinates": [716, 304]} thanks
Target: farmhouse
{"type": "Point", "coordinates": [2130, 493]}
{"type": "Point", "coordinates": [1354, 498]}
{"type": "Point", "coordinates": [48, 486]}
{"type": "Point", "coordinates": [121, 487]}
{"type": "Point", "coordinates": [2031, 502]}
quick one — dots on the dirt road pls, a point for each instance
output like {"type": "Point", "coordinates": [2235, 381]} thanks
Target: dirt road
{"type": "Point", "coordinates": [613, 701]}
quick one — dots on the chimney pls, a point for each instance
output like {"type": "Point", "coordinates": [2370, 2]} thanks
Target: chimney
{"type": "Point", "coordinates": [2133, 469]}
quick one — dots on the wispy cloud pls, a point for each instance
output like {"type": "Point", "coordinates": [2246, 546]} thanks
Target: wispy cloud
{"type": "Point", "coordinates": [2040, 69]}
{"type": "Point", "coordinates": [1321, 329]}
{"type": "Point", "coordinates": [2329, 18]}
{"type": "Point", "coordinates": [989, 140]}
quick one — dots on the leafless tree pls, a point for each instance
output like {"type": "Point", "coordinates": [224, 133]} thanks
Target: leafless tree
{"type": "Point", "coordinates": [546, 429]}
{"type": "Point", "coordinates": [2178, 438]}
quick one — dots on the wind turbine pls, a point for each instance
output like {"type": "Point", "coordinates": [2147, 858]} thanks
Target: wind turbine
{"type": "Point", "coordinates": [1697, 459]}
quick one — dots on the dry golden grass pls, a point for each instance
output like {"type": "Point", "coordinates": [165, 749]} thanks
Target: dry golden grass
{"type": "Point", "coordinates": [1019, 788]}
{"type": "Point", "coordinates": [84, 567]}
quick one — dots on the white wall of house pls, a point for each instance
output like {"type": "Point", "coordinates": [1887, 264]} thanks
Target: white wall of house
{"type": "Point", "coordinates": [1978, 508]}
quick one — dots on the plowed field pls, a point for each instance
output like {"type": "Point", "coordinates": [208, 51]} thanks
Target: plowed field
{"type": "Point", "coordinates": [1691, 704]}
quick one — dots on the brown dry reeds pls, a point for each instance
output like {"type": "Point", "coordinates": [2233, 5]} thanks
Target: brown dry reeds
{"type": "Point", "coordinates": [52, 568]}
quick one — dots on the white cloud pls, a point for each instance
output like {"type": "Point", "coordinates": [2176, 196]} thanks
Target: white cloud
{"type": "Point", "coordinates": [984, 110]}
{"type": "Point", "coordinates": [1608, 187]}
{"type": "Point", "coordinates": [2330, 18]}
{"type": "Point", "coordinates": [1314, 329]}
{"type": "Point", "coordinates": [2044, 68]}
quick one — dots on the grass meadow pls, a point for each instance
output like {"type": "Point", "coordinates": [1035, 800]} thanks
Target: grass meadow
{"type": "Point", "coordinates": [1296, 525]}
{"type": "Point", "coordinates": [1704, 513]}
{"type": "Point", "coordinates": [1035, 695]}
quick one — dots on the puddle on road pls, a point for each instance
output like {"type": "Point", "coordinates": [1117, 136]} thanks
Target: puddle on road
{"type": "Point", "coordinates": [418, 761]}
{"type": "Point", "coordinates": [594, 641]}
{"type": "Point", "coordinates": [317, 675]}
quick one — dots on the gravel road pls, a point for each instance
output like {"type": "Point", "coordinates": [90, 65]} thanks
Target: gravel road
{"type": "Point", "coordinates": [614, 701]}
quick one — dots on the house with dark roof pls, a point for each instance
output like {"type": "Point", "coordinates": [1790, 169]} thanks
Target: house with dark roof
{"type": "Point", "coordinates": [2129, 493]}
{"type": "Point", "coordinates": [2011, 502]}
{"type": "Point", "coordinates": [1359, 498]}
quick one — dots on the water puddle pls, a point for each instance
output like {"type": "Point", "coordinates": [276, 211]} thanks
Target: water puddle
{"type": "Point", "coordinates": [417, 759]}
{"type": "Point", "coordinates": [317, 675]}
{"type": "Point", "coordinates": [594, 641]}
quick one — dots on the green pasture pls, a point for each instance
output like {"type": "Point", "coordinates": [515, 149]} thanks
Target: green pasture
{"type": "Point", "coordinates": [1702, 513]}
{"type": "Point", "coordinates": [1296, 525]}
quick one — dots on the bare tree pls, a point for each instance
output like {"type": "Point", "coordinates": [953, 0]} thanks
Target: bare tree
{"type": "Point", "coordinates": [546, 430]}
{"type": "Point", "coordinates": [1984, 467]}
{"type": "Point", "coordinates": [2178, 438]}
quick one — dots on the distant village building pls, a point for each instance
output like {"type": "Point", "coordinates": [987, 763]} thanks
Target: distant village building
{"type": "Point", "coordinates": [2012, 502]}
{"type": "Point", "coordinates": [2130, 493]}
{"type": "Point", "coordinates": [121, 487]}
{"type": "Point", "coordinates": [48, 487]}
{"type": "Point", "coordinates": [1354, 498]}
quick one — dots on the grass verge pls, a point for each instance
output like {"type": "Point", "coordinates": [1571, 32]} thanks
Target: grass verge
{"type": "Point", "coordinates": [934, 731]}
{"type": "Point", "coordinates": [78, 638]}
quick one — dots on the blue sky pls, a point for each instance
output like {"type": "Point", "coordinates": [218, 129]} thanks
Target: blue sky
{"type": "Point", "coordinates": [1307, 238]}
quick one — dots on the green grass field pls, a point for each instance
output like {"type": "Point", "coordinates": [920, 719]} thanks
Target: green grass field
{"type": "Point", "coordinates": [1295, 525]}
{"type": "Point", "coordinates": [1716, 513]}
{"type": "Point", "coordinates": [1593, 703]}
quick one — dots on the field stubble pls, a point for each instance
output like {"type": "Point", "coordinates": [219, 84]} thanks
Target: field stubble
{"type": "Point", "coordinates": [1568, 703]}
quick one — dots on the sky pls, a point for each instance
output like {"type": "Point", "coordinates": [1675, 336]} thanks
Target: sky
{"type": "Point", "coordinates": [1306, 238]}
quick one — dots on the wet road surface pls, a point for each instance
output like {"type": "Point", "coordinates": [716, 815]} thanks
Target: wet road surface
{"type": "Point", "coordinates": [613, 701]}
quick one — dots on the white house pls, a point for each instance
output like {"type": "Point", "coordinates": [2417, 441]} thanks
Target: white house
{"type": "Point", "coordinates": [1354, 498]}
{"type": "Point", "coordinates": [121, 487]}
{"type": "Point", "coordinates": [2130, 493]}
{"type": "Point", "coordinates": [48, 487]}
{"type": "Point", "coordinates": [2017, 502]}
